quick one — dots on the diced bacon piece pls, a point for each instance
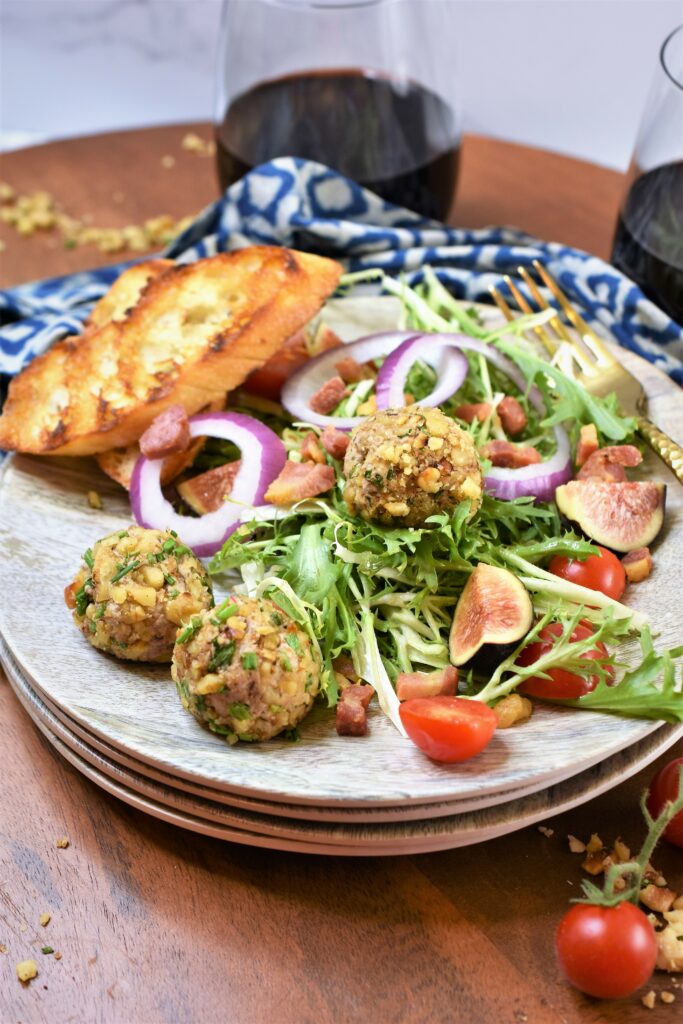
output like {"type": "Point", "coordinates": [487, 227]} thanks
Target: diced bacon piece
{"type": "Point", "coordinates": [588, 443]}
{"type": "Point", "coordinates": [351, 715]}
{"type": "Point", "coordinates": [328, 396]}
{"type": "Point", "coordinates": [508, 455]}
{"type": "Point", "coordinates": [474, 411]}
{"type": "Point", "coordinates": [168, 434]}
{"type": "Point", "coordinates": [352, 371]}
{"type": "Point", "coordinates": [70, 595]}
{"type": "Point", "coordinates": [512, 416]}
{"type": "Point", "coordinates": [443, 683]}
{"type": "Point", "coordinates": [335, 442]}
{"type": "Point", "coordinates": [608, 463]}
{"type": "Point", "coordinates": [299, 480]}
{"type": "Point", "coordinates": [311, 450]}
{"type": "Point", "coordinates": [207, 491]}
{"type": "Point", "coordinates": [637, 564]}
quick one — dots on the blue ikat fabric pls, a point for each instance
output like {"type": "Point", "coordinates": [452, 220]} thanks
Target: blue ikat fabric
{"type": "Point", "coordinates": [307, 206]}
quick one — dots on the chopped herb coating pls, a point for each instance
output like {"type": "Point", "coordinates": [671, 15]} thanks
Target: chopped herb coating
{"type": "Point", "coordinates": [292, 640]}
{"type": "Point", "coordinates": [190, 630]}
{"type": "Point", "coordinates": [169, 579]}
{"type": "Point", "coordinates": [250, 660]}
{"type": "Point", "coordinates": [88, 558]}
{"type": "Point", "coordinates": [240, 711]}
{"type": "Point", "coordinates": [222, 654]}
{"type": "Point", "coordinates": [124, 568]}
{"type": "Point", "coordinates": [224, 612]}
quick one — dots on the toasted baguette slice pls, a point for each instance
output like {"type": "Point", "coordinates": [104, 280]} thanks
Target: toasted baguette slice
{"type": "Point", "coordinates": [125, 292]}
{"type": "Point", "coordinates": [196, 332]}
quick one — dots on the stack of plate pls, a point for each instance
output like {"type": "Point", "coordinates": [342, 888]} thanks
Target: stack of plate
{"type": "Point", "coordinates": [122, 725]}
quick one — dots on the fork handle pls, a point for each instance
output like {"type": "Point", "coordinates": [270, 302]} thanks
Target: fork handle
{"type": "Point", "coordinates": [668, 451]}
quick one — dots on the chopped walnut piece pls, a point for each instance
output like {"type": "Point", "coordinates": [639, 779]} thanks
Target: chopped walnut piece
{"type": "Point", "coordinates": [657, 897]}
{"type": "Point", "coordinates": [62, 843]}
{"type": "Point", "coordinates": [576, 845]}
{"type": "Point", "coordinates": [649, 999]}
{"type": "Point", "coordinates": [27, 970]}
{"type": "Point", "coordinates": [94, 500]}
{"type": "Point", "coordinates": [58, 955]}
{"type": "Point", "coordinates": [621, 853]}
{"type": "Point", "coordinates": [45, 919]}
{"type": "Point", "coordinates": [667, 997]}
{"type": "Point", "coordinates": [547, 832]}
{"type": "Point", "coordinates": [670, 943]}
{"type": "Point", "coordinates": [512, 709]}
{"type": "Point", "coordinates": [594, 863]}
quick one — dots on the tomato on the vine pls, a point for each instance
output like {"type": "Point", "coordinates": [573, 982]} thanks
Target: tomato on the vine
{"type": "Point", "coordinates": [664, 787]}
{"type": "Point", "coordinates": [562, 684]}
{"type": "Point", "coordinates": [607, 952]}
{"type": "Point", "coordinates": [603, 572]}
{"type": "Point", "coordinates": [448, 729]}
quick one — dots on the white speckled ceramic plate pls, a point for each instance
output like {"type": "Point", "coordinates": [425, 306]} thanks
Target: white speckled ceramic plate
{"type": "Point", "coordinates": [349, 838]}
{"type": "Point", "coordinates": [46, 524]}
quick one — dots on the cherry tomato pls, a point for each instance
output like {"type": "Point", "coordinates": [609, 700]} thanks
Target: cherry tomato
{"type": "Point", "coordinates": [448, 728]}
{"type": "Point", "coordinates": [562, 685]}
{"type": "Point", "coordinates": [664, 787]}
{"type": "Point", "coordinates": [607, 952]}
{"type": "Point", "coordinates": [603, 572]}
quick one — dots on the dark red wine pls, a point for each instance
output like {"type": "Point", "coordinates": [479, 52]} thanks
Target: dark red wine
{"type": "Point", "coordinates": [648, 244]}
{"type": "Point", "coordinates": [396, 138]}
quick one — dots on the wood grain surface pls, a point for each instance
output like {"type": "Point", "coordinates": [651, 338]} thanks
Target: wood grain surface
{"type": "Point", "coordinates": [158, 925]}
{"type": "Point", "coordinates": [118, 178]}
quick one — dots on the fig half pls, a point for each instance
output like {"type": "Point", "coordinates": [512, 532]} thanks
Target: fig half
{"type": "Point", "coordinates": [620, 516]}
{"type": "Point", "coordinates": [494, 608]}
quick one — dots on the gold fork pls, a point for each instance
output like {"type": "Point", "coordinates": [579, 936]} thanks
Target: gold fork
{"type": "Point", "coordinates": [588, 360]}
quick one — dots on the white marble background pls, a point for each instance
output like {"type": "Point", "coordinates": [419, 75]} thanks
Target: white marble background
{"type": "Point", "coordinates": [567, 75]}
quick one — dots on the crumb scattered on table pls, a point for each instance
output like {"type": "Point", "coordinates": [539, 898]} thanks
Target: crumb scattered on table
{"type": "Point", "coordinates": [547, 832]}
{"type": "Point", "coordinates": [168, 161]}
{"type": "Point", "coordinates": [58, 955]}
{"type": "Point", "coordinates": [46, 949]}
{"type": "Point", "coordinates": [667, 997]}
{"type": "Point", "coordinates": [45, 918]}
{"type": "Point", "coordinates": [27, 970]}
{"type": "Point", "coordinates": [94, 500]}
{"type": "Point", "coordinates": [62, 843]}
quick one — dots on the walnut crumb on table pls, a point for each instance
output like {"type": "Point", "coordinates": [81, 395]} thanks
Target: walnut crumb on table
{"type": "Point", "coordinates": [667, 997]}
{"type": "Point", "coordinates": [62, 843]}
{"type": "Point", "coordinates": [544, 830]}
{"type": "Point", "coordinates": [94, 500]}
{"type": "Point", "coordinates": [45, 919]}
{"type": "Point", "coordinates": [27, 970]}
{"type": "Point", "coordinates": [649, 999]}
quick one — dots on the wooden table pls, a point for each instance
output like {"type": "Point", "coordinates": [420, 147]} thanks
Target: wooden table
{"type": "Point", "coordinates": [159, 925]}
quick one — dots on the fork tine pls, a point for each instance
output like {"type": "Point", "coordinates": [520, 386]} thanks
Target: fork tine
{"type": "Point", "coordinates": [501, 302]}
{"type": "Point", "coordinates": [546, 340]}
{"type": "Point", "coordinates": [588, 335]}
{"type": "Point", "coordinates": [555, 323]}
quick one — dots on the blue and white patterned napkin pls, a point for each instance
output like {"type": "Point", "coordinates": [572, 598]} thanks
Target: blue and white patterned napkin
{"type": "Point", "coordinates": [307, 206]}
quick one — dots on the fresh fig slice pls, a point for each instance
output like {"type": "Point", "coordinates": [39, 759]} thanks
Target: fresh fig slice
{"type": "Point", "coordinates": [207, 492]}
{"type": "Point", "coordinates": [494, 608]}
{"type": "Point", "coordinates": [620, 516]}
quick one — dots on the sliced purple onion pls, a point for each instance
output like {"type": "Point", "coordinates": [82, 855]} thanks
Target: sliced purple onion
{"type": "Point", "coordinates": [447, 361]}
{"type": "Point", "coordinates": [302, 385]}
{"type": "Point", "coordinates": [263, 457]}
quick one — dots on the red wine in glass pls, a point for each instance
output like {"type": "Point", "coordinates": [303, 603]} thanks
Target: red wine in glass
{"type": "Point", "coordinates": [648, 243]}
{"type": "Point", "coordinates": [396, 138]}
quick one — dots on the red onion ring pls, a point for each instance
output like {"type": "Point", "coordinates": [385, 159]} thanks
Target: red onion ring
{"type": "Point", "coordinates": [302, 385]}
{"type": "Point", "coordinates": [451, 369]}
{"type": "Point", "coordinates": [263, 458]}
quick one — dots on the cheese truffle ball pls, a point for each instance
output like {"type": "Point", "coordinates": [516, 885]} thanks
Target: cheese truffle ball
{"type": "Point", "coordinates": [136, 588]}
{"type": "Point", "coordinates": [246, 670]}
{"type": "Point", "coordinates": [403, 465]}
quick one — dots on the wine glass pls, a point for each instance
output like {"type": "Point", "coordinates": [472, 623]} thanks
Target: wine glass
{"type": "Point", "coordinates": [364, 86]}
{"type": "Point", "coordinates": [648, 244]}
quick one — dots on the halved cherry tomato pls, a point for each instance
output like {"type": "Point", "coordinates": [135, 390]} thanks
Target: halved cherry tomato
{"type": "Point", "coordinates": [448, 729]}
{"type": "Point", "coordinates": [562, 684]}
{"type": "Point", "coordinates": [607, 952]}
{"type": "Point", "coordinates": [664, 787]}
{"type": "Point", "coordinates": [603, 572]}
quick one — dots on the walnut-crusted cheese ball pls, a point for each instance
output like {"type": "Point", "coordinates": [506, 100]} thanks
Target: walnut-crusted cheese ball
{"type": "Point", "coordinates": [246, 670]}
{"type": "Point", "coordinates": [136, 588]}
{"type": "Point", "coordinates": [403, 465]}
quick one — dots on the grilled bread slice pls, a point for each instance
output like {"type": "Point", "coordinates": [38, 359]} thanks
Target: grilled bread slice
{"type": "Point", "coordinates": [196, 332]}
{"type": "Point", "coordinates": [125, 292]}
